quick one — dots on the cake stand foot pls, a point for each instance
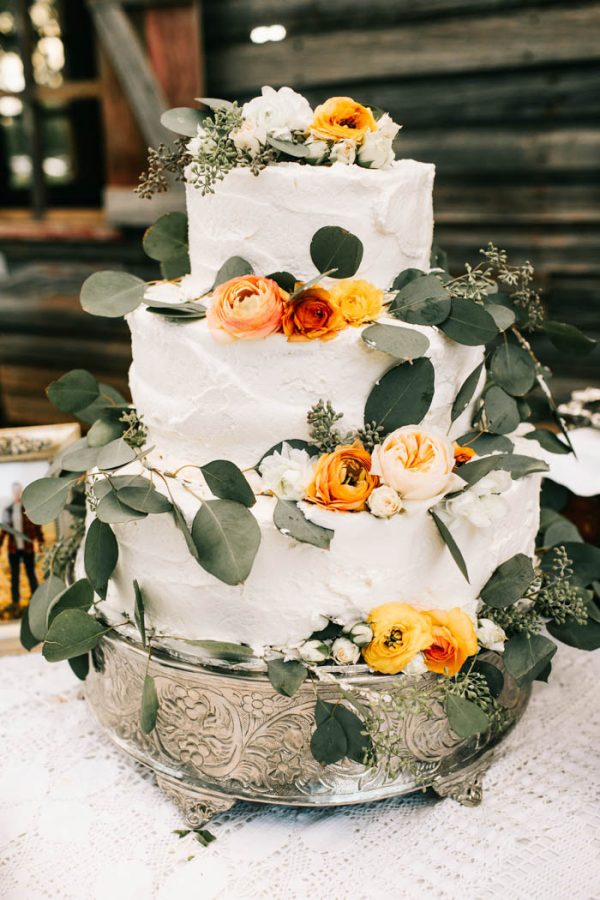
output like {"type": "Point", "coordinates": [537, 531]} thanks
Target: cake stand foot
{"type": "Point", "coordinates": [464, 786]}
{"type": "Point", "coordinates": [198, 806]}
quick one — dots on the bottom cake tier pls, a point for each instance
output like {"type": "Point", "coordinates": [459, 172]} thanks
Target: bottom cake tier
{"type": "Point", "coordinates": [295, 588]}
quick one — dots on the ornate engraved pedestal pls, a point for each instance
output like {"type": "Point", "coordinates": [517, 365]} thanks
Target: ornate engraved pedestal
{"type": "Point", "coordinates": [224, 734]}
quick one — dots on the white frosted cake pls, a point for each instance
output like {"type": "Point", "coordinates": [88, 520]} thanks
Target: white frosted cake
{"type": "Point", "coordinates": [206, 396]}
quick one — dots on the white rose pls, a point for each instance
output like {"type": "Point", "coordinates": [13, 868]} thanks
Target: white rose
{"type": "Point", "coordinates": [343, 152]}
{"type": "Point", "coordinates": [417, 462]}
{"type": "Point", "coordinates": [384, 502]}
{"type": "Point", "coordinates": [279, 113]}
{"type": "Point", "coordinates": [490, 635]}
{"type": "Point", "coordinates": [360, 633]}
{"type": "Point", "coordinates": [587, 395]}
{"type": "Point", "coordinates": [344, 652]}
{"type": "Point", "coordinates": [317, 150]}
{"type": "Point", "coordinates": [314, 651]}
{"type": "Point", "coordinates": [249, 137]}
{"type": "Point", "coordinates": [417, 666]}
{"type": "Point", "coordinates": [288, 473]}
{"type": "Point", "coordinates": [482, 504]}
{"type": "Point", "coordinates": [376, 151]}
{"type": "Point", "coordinates": [200, 144]}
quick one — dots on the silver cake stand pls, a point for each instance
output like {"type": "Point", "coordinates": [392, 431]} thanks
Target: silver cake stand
{"type": "Point", "coordinates": [223, 734]}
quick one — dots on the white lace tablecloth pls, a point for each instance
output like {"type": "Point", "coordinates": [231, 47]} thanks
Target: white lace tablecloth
{"type": "Point", "coordinates": [80, 820]}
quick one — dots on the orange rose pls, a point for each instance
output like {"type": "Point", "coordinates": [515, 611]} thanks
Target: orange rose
{"type": "Point", "coordinates": [462, 454]}
{"type": "Point", "coordinates": [312, 315]}
{"type": "Point", "coordinates": [399, 632]}
{"type": "Point", "coordinates": [454, 639]}
{"type": "Point", "coordinates": [247, 308]}
{"type": "Point", "coordinates": [342, 479]}
{"type": "Point", "coordinates": [342, 118]}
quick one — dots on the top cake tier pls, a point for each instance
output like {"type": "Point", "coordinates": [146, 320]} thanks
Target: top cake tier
{"type": "Point", "coordinates": [270, 219]}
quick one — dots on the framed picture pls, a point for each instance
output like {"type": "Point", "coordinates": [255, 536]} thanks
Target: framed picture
{"type": "Point", "coordinates": [25, 455]}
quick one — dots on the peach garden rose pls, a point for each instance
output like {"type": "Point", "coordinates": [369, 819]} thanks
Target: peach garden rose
{"type": "Point", "coordinates": [454, 640]}
{"type": "Point", "coordinates": [417, 462]}
{"type": "Point", "coordinates": [246, 308]}
{"type": "Point", "coordinates": [342, 480]}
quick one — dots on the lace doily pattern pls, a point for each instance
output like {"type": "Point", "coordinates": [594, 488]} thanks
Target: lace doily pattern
{"type": "Point", "coordinates": [80, 821]}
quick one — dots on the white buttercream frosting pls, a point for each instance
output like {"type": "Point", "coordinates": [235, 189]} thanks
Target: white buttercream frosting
{"type": "Point", "coordinates": [269, 219]}
{"type": "Point", "coordinates": [292, 586]}
{"type": "Point", "coordinates": [204, 400]}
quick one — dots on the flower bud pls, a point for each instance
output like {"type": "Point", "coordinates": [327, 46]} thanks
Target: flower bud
{"type": "Point", "coordinates": [314, 651]}
{"type": "Point", "coordinates": [490, 635]}
{"type": "Point", "coordinates": [360, 633]}
{"type": "Point", "coordinates": [345, 652]}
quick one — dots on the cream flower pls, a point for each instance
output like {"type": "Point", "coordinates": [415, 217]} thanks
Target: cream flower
{"type": "Point", "coordinates": [287, 473]}
{"type": "Point", "coordinates": [317, 150]}
{"type": "Point", "coordinates": [482, 504]}
{"type": "Point", "coordinates": [249, 137]}
{"type": "Point", "coordinates": [377, 151]}
{"type": "Point", "coordinates": [344, 652]}
{"type": "Point", "coordinates": [343, 152]}
{"type": "Point", "coordinates": [417, 462]}
{"type": "Point", "coordinates": [279, 113]}
{"type": "Point", "coordinates": [314, 651]}
{"type": "Point", "coordinates": [417, 666]}
{"type": "Point", "coordinates": [490, 635]}
{"type": "Point", "coordinates": [384, 502]}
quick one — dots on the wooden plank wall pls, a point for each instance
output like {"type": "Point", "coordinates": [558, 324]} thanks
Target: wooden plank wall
{"type": "Point", "coordinates": [502, 95]}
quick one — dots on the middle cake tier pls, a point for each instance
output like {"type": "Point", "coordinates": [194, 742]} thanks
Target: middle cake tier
{"type": "Point", "coordinates": [204, 400]}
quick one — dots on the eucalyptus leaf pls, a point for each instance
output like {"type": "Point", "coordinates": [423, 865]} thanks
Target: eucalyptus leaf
{"type": "Point", "coordinates": [291, 521]}
{"type": "Point", "coordinates": [145, 499]}
{"type": "Point", "coordinates": [402, 343]}
{"type": "Point", "coordinates": [227, 538]}
{"type": "Point", "coordinates": [422, 301]}
{"type": "Point", "coordinates": [225, 650]}
{"type": "Point", "coordinates": [104, 485]}
{"type": "Point", "coordinates": [45, 499]}
{"type": "Point", "coordinates": [116, 454]}
{"type": "Point", "coordinates": [285, 280]}
{"type": "Point", "coordinates": [176, 266]}
{"type": "Point", "coordinates": [519, 466]}
{"type": "Point", "coordinates": [483, 442]}
{"type": "Point", "coordinates": [466, 719]}
{"type": "Point", "coordinates": [286, 676]}
{"type": "Point", "coordinates": [302, 286]}
{"type": "Point", "coordinates": [492, 674]}
{"type": "Point", "coordinates": [339, 734]}
{"type": "Point", "coordinates": [466, 392]}
{"type": "Point", "coordinates": [568, 338]}
{"type": "Point", "coordinates": [359, 743]}
{"type": "Point", "coordinates": [72, 633]}
{"type": "Point", "coordinates": [109, 400]}
{"type": "Point", "coordinates": [509, 582]}
{"type": "Point", "coordinates": [183, 120]}
{"type": "Point", "coordinates": [469, 323]}
{"type": "Point", "coordinates": [80, 665]}
{"type": "Point", "coordinates": [27, 639]}
{"type": "Point", "coordinates": [112, 510]}
{"type": "Point", "coordinates": [105, 429]}
{"type": "Point", "coordinates": [167, 238]}
{"type": "Point", "coordinates": [139, 612]}
{"type": "Point", "coordinates": [561, 531]}
{"type": "Point", "coordinates": [547, 440]}
{"type": "Point", "coordinates": [81, 460]}
{"type": "Point", "coordinates": [73, 391]}
{"type": "Point", "coordinates": [502, 315]}
{"type": "Point", "coordinates": [184, 312]}
{"type": "Point", "coordinates": [225, 480]}
{"type": "Point", "coordinates": [111, 294]}
{"type": "Point", "coordinates": [40, 603]}
{"type": "Point", "coordinates": [335, 248]}
{"type": "Point", "coordinates": [501, 411]}
{"type": "Point", "coordinates": [149, 710]}
{"type": "Point", "coordinates": [438, 258]}
{"type": "Point", "coordinates": [298, 151]}
{"type": "Point", "coordinates": [234, 267]}
{"type": "Point", "coordinates": [214, 102]}
{"type": "Point", "coordinates": [100, 556]}
{"type": "Point", "coordinates": [329, 743]}
{"type": "Point", "coordinates": [450, 543]}
{"type": "Point", "coordinates": [583, 637]}
{"type": "Point", "coordinates": [79, 595]}
{"type": "Point", "coordinates": [182, 525]}
{"type": "Point", "coordinates": [405, 277]}
{"type": "Point", "coordinates": [402, 396]}
{"type": "Point", "coordinates": [526, 655]}
{"type": "Point", "coordinates": [513, 369]}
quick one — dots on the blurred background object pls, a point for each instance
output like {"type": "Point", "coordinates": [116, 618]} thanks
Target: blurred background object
{"type": "Point", "coordinates": [502, 95]}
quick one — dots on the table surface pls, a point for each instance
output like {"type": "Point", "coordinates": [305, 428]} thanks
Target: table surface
{"type": "Point", "coordinates": [79, 820]}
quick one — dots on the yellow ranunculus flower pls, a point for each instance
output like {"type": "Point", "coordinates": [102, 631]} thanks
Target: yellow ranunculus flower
{"type": "Point", "coordinates": [359, 301]}
{"type": "Point", "coordinates": [399, 632]}
{"type": "Point", "coordinates": [454, 640]}
{"type": "Point", "coordinates": [342, 118]}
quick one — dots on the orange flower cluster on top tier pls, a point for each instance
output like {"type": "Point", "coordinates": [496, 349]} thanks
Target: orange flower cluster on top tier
{"type": "Point", "coordinates": [250, 307]}
{"type": "Point", "coordinates": [445, 638]}
{"type": "Point", "coordinates": [342, 118]}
